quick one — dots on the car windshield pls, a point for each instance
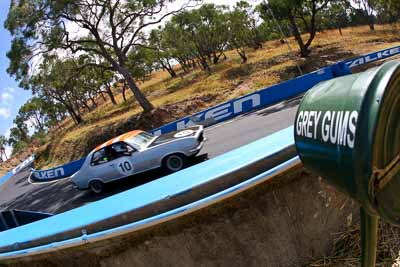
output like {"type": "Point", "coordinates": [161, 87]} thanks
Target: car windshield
{"type": "Point", "coordinates": [141, 139]}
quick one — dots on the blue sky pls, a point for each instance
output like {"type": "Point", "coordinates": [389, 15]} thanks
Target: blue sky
{"type": "Point", "coordinates": [11, 97]}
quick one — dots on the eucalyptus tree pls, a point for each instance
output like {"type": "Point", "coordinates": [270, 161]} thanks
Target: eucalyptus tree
{"type": "Point", "coordinates": [204, 30]}
{"type": "Point", "coordinates": [160, 51]}
{"type": "Point", "coordinates": [369, 9]}
{"type": "Point", "coordinates": [108, 28]}
{"type": "Point", "coordinates": [179, 43]}
{"type": "Point", "coordinates": [337, 15]}
{"type": "Point", "coordinates": [34, 111]}
{"type": "Point", "coordinates": [300, 14]}
{"type": "Point", "coordinates": [56, 79]}
{"type": "Point", "coordinates": [242, 29]}
{"type": "Point", "coordinates": [19, 135]}
{"type": "Point", "coordinates": [388, 11]}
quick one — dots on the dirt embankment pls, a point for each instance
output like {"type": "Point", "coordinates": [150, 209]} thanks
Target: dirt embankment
{"type": "Point", "coordinates": [17, 159]}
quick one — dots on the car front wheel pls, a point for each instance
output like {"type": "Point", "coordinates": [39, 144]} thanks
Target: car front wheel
{"type": "Point", "coordinates": [174, 163]}
{"type": "Point", "coordinates": [96, 187]}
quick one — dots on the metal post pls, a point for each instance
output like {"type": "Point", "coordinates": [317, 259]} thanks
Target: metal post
{"type": "Point", "coordinates": [369, 238]}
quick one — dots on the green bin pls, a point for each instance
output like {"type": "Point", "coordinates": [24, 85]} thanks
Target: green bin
{"type": "Point", "coordinates": [348, 131]}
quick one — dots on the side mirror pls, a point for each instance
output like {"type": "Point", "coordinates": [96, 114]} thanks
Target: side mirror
{"type": "Point", "coordinates": [348, 131]}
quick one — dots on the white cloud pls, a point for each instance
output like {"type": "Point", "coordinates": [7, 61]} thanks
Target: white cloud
{"type": "Point", "coordinates": [7, 96]}
{"type": "Point", "coordinates": [9, 89]}
{"type": "Point", "coordinates": [5, 113]}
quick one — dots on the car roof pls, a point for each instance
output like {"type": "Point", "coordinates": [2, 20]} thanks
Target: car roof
{"type": "Point", "coordinates": [120, 138]}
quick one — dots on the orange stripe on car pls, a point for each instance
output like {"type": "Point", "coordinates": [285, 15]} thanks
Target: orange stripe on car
{"type": "Point", "coordinates": [122, 137]}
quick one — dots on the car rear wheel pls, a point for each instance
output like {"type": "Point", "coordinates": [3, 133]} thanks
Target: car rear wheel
{"type": "Point", "coordinates": [96, 186]}
{"type": "Point", "coordinates": [174, 163]}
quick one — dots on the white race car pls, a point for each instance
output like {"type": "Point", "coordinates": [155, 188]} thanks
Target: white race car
{"type": "Point", "coordinates": [136, 152]}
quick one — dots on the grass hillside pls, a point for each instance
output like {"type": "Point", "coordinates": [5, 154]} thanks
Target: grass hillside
{"type": "Point", "coordinates": [188, 93]}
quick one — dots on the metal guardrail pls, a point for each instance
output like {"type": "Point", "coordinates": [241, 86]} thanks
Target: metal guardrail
{"type": "Point", "coordinates": [24, 165]}
{"type": "Point", "coordinates": [5, 178]}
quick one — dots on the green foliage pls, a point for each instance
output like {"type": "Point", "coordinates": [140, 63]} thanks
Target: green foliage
{"type": "Point", "coordinates": [388, 10]}
{"type": "Point", "coordinates": [301, 15]}
{"type": "Point", "coordinates": [35, 111]}
{"type": "Point", "coordinates": [19, 135]}
{"type": "Point", "coordinates": [141, 63]}
{"type": "Point", "coordinates": [111, 30]}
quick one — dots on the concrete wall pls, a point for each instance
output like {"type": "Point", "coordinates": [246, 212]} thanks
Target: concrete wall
{"type": "Point", "coordinates": [285, 222]}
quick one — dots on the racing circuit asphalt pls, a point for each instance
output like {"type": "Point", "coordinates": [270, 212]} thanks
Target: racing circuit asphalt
{"type": "Point", "coordinates": [60, 196]}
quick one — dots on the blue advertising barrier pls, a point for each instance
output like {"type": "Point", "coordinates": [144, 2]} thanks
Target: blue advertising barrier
{"type": "Point", "coordinates": [6, 177]}
{"type": "Point", "coordinates": [24, 165]}
{"type": "Point", "coordinates": [57, 173]}
{"type": "Point", "coordinates": [230, 109]}
{"type": "Point", "coordinates": [372, 57]}
{"type": "Point", "coordinates": [259, 99]}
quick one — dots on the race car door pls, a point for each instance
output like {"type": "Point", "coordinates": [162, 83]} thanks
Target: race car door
{"type": "Point", "coordinates": [127, 160]}
{"type": "Point", "coordinates": [103, 166]}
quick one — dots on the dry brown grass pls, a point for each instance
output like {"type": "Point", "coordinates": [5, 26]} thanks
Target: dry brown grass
{"type": "Point", "coordinates": [346, 250]}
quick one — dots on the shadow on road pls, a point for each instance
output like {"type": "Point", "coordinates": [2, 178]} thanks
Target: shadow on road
{"type": "Point", "coordinates": [61, 196]}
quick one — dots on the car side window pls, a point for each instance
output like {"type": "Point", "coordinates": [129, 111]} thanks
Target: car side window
{"type": "Point", "coordinates": [121, 149]}
{"type": "Point", "coordinates": [111, 153]}
{"type": "Point", "coordinates": [99, 157]}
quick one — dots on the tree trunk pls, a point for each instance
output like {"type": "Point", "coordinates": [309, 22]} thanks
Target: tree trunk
{"type": "Point", "coordinates": [75, 116]}
{"type": "Point", "coordinates": [39, 123]}
{"type": "Point", "coordinates": [110, 94]}
{"type": "Point", "coordinates": [171, 70]}
{"type": "Point", "coordinates": [184, 66]}
{"type": "Point", "coordinates": [372, 26]}
{"type": "Point", "coordinates": [242, 54]}
{"type": "Point", "coordinates": [93, 102]}
{"type": "Point", "coordinates": [124, 91]}
{"type": "Point", "coordinates": [340, 31]}
{"type": "Point", "coordinates": [204, 64]}
{"type": "Point", "coordinates": [102, 95]}
{"type": "Point", "coordinates": [303, 49]}
{"type": "Point", "coordinates": [140, 97]}
{"type": "Point", "coordinates": [215, 58]}
{"type": "Point", "coordinates": [86, 106]}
